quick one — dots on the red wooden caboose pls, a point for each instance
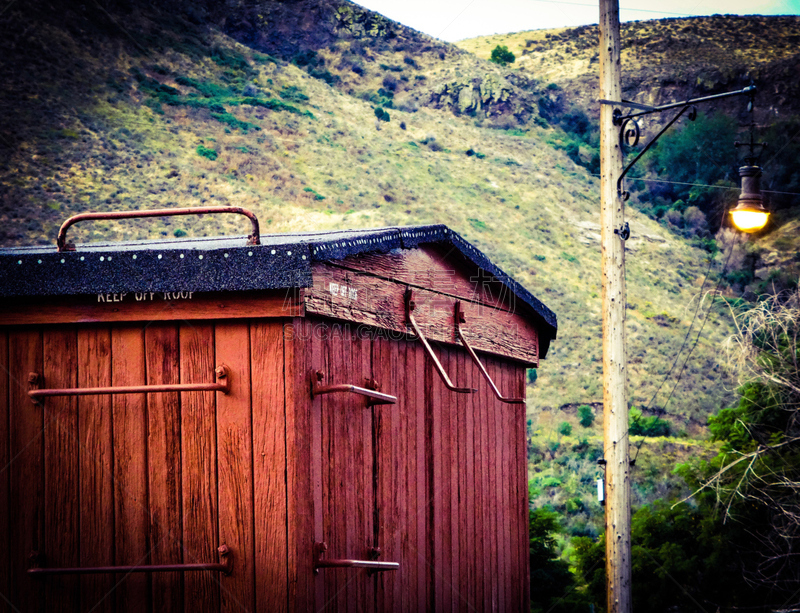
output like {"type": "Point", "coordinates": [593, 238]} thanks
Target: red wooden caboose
{"type": "Point", "coordinates": [302, 422]}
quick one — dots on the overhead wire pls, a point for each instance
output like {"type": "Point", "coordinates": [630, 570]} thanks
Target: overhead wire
{"type": "Point", "coordinates": [663, 409]}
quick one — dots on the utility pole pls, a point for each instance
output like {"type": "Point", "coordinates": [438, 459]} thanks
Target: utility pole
{"type": "Point", "coordinates": [613, 296]}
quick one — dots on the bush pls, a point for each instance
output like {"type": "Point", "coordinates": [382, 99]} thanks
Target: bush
{"type": "Point", "coordinates": [234, 123]}
{"type": "Point", "coordinates": [502, 56]}
{"type": "Point", "coordinates": [647, 426]}
{"type": "Point", "coordinates": [293, 94]}
{"type": "Point", "coordinates": [381, 114]}
{"type": "Point", "coordinates": [211, 154]}
{"type": "Point", "coordinates": [585, 415]}
{"type": "Point", "coordinates": [565, 429]}
{"type": "Point", "coordinates": [306, 58]}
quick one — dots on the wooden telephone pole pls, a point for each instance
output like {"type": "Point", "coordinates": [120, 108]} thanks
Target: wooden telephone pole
{"type": "Point", "coordinates": [615, 375]}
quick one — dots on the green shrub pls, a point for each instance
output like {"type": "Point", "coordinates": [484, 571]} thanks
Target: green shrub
{"type": "Point", "coordinates": [647, 426]}
{"type": "Point", "coordinates": [585, 415]}
{"type": "Point", "coordinates": [324, 75]}
{"type": "Point", "coordinates": [306, 58]}
{"type": "Point", "coordinates": [565, 428]}
{"type": "Point", "coordinates": [381, 114]}
{"type": "Point", "coordinates": [230, 59]}
{"type": "Point", "coordinates": [551, 482]}
{"type": "Point", "coordinates": [234, 123]}
{"type": "Point", "coordinates": [179, 233]}
{"type": "Point", "coordinates": [293, 94]}
{"type": "Point", "coordinates": [317, 196]}
{"type": "Point", "coordinates": [501, 55]}
{"type": "Point", "coordinates": [211, 154]}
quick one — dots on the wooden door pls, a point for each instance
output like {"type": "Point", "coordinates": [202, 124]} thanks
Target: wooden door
{"type": "Point", "coordinates": [343, 468]}
{"type": "Point", "coordinates": [144, 478]}
{"type": "Point", "coordinates": [436, 482]}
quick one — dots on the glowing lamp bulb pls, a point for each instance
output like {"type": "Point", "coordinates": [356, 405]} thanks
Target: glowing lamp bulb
{"type": "Point", "coordinates": [749, 219]}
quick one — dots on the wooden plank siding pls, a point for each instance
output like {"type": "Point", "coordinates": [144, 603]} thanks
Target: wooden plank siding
{"type": "Point", "coordinates": [159, 478]}
{"type": "Point", "coordinates": [61, 470]}
{"type": "Point", "coordinates": [446, 472]}
{"type": "Point", "coordinates": [363, 299]}
{"type": "Point", "coordinates": [436, 482]}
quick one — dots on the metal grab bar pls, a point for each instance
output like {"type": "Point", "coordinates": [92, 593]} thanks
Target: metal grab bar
{"type": "Point", "coordinates": [372, 565]}
{"type": "Point", "coordinates": [223, 385]}
{"type": "Point", "coordinates": [374, 396]}
{"type": "Point", "coordinates": [460, 319]}
{"type": "Point", "coordinates": [410, 306]}
{"type": "Point", "coordinates": [61, 240]}
{"type": "Point", "coordinates": [225, 566]}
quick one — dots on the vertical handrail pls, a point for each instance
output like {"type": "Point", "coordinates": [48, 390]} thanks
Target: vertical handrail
{"type": "Point", "coordinates": [460, 319]}
{"type": "Point", "coordinates": [410, 306]}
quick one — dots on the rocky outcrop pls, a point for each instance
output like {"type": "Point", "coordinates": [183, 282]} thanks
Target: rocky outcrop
{"type": "Point", "coordinates": [489, 95]}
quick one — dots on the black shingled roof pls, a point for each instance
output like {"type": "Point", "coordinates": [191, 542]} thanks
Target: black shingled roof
{"type": "Point", "coordinates": [222, 264]}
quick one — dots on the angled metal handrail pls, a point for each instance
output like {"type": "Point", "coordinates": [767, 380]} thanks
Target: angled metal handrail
{"type": "Point", "coordinates": [375, 397]}
{"type": "Point", "coordinates": [225, 566]}
{"type": "Point", "coordinates": [410, 306]}
{"type": "Point", "coordinates": [460, 319]}
{"type": "Point", "coordinates": [222, 385]}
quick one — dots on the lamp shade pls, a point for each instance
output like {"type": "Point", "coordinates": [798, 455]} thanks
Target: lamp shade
{"type": "Point", "coordinates": [749, 214]}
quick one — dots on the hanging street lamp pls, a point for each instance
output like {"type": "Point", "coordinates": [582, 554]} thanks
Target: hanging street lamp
{"type": "Point", "coordinates": [749, 215]}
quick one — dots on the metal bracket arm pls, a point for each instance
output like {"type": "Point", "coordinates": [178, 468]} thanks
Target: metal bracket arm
{"type": "Point", "coordinates": [410, 306]}
{"type": "Point", "coordinates": [632, 134]}
{"type": "Point", "coordinates": [225, 566]}
{"type": "Point", "coordinates": [375, 397]}
{"type": "Point", "coordinates": [373, 565]}
{"type": "Point", "coordinates": [692, 115]}
{"type": "Point", "coordinates": [223, 385]}
{"type": "Point", "coordinates": [460, 319]}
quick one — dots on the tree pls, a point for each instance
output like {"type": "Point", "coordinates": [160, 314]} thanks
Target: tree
{"type": "Point", "coordinates": [552, 583]}
{"type": "Point", "coordinates": [756, 476]}
{"type": "Point", "coordinates": [585, 415]}
{"type": "Point", "coordinates": [732, 544]}
{"type": "Point", "coordinates": [501, 55]}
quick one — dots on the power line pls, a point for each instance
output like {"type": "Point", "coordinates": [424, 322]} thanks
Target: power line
{"type": "Point", "coordinates": [763, 191]}
{"type": "Point", "coordinates": [622, 8]}
{"type": "Point", "coordinates": [663, 410]}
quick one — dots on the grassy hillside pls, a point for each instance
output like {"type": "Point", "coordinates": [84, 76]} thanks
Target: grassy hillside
{"type": "Point", "coordinates": [665, 60]}
{"type": "Point", "coordinates": [678, 59]}
{"type": "Point", "coordinates": [108, 111]}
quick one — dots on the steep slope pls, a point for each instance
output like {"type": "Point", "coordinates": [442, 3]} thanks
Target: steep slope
{"type": "Point", "coordinates": [106, 111]}
{"type": "Point", "coordinates": [366, 55]}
